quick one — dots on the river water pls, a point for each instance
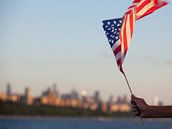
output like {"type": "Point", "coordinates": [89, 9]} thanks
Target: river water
{"type": "Point", "coordinates": [81, 123]}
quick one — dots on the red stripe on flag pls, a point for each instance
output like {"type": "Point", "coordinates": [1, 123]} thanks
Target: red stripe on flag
{"type": "Point", "coordinates": [125, 36]}
{"type": "Point", "coordinates": [142, 5]}
{"type": "Point", "coordinates": [156, 1]}
{"type": "Point", "coordinates": [131, 6]}
{"type": "Point", "coordinates": [119, 62]}
{"type": "Point", "coordinates": [136, 1]}
{"type": "Point", "coordinates": [117, 50]}
{"type": "Point", "coordinates": [131, 24]}
{"type": "Point", "coordinates": [154, 8]}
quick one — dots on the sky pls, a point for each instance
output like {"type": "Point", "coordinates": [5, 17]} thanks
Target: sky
{"type": "Point", "coordinates": [60, 41]}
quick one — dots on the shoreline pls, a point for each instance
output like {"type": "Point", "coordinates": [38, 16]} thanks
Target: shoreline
{"type": "Point", "coordinates": [15, 117]}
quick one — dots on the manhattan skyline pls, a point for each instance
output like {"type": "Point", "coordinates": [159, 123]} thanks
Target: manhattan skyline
{"type": "Point", "coordinates": [63, 42]}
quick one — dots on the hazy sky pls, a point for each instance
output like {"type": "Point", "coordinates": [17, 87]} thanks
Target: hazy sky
{"type": "Point", "coordinates": [62, 41]}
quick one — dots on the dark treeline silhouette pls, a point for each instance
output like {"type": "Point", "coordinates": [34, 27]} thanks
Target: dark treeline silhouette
{"type": "Point", "coordinates": [18, 109]}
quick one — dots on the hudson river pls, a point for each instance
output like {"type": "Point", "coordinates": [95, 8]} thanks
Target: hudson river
{"type": "Point", "coordinates": [81, 123]}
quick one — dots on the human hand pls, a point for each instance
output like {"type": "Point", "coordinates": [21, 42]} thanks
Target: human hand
{"type": "Point", "coordinates": [139, 106]}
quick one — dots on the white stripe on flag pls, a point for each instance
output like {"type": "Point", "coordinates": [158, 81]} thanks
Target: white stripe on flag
{"type": "Point", "coordinates": [116, 45]}
{"type": "Point", "coordinates": [145, 9]}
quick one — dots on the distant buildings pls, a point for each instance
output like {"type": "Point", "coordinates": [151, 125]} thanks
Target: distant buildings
{"type": "Point", "coordinates": [73, 99]}
{"type": "Point", "coordinates": [3, 96]}
{"type": "Point", "coordinates": [8, 93]}
{"type": "Point", "coordinates": [9, 96]}
{"type": "Point", "coordinates": [156, 101]}
{"type": "Point", "coordinates": [96, 97]}
{"type": "Point", "coordinates": [121, 104]}
{"type": "Point", "coordinates": [27, 98]}
{"type": "Point", "coordinates": [49, 97]}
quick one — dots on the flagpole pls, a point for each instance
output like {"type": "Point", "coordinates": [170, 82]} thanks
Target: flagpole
{"type": "Point", "coordinates": [131, 91]}
{"type": "Point", "coordinates": [127, 83]}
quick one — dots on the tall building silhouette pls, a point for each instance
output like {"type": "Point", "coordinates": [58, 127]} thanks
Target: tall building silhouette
{"type": "Point", "coordinates": [27, 91]}
{"type": "Point", "coordinates": [155, 101]}
{"type": "Point", "coordinates": [111, 99]}
{"type": "Point", "coordinates": [97, 97]}
{"type": "Point", "coordinates": [27, 98]}
{"type": "Point", "coordinates": [74, 94]}
{"type": "Point", "coordinates": [8, 92]}
{"type": "Point", "coordinates": [54, 90]}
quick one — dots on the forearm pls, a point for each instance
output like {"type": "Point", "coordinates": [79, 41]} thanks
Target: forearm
{"type": "Point", "coordinates": [158, 112]}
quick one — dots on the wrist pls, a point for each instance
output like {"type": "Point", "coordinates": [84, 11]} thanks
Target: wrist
{"type": "Point", "coordinates": [147, 111]}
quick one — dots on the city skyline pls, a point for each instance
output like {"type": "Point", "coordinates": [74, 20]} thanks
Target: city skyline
{"type": "Point", "coordinates": [54, 87]}
{"type": "Point", "coordinates": [42, 42]}
{"type": "Point", "coordinates": [74, 93]}
{"type": "Point", "coordinates": [74, 99]}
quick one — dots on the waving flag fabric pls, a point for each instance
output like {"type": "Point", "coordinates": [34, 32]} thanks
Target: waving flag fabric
{"type": "Point", "coordinates": [119, 31]}
{"type": "Point", "coordinates": [146, 7]}
{"type": "Point", "coordinates": [112, 28]}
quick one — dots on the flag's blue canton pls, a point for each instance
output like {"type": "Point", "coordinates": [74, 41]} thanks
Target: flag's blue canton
{"type": "Point", "coordinates": [112, 28]}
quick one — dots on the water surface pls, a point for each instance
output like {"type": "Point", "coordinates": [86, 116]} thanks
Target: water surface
{"type": "Point", "coordinates": [81, 123]}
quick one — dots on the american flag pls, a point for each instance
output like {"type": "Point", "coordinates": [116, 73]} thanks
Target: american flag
{"type": "Point", "coordinates": [146, 7]}
{"type": "Point", "coordinates": [112, 28]}
{"type": "Point", "coordinates": [119, 31]}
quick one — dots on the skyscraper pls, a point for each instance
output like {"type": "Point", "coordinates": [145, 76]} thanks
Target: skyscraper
{"type": "Point", "coordinates": [74, 94]}
{"type": "Point", "coordinates": [8, 92]}
{"type": "Point", "coordinates": [27, 98]}
{"type": "Point", "coordinates": [54, 90]}
{"type": "Point", "coordinates": [97, 97]}
{"type": "Point", "coordinates": [155, 101]}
